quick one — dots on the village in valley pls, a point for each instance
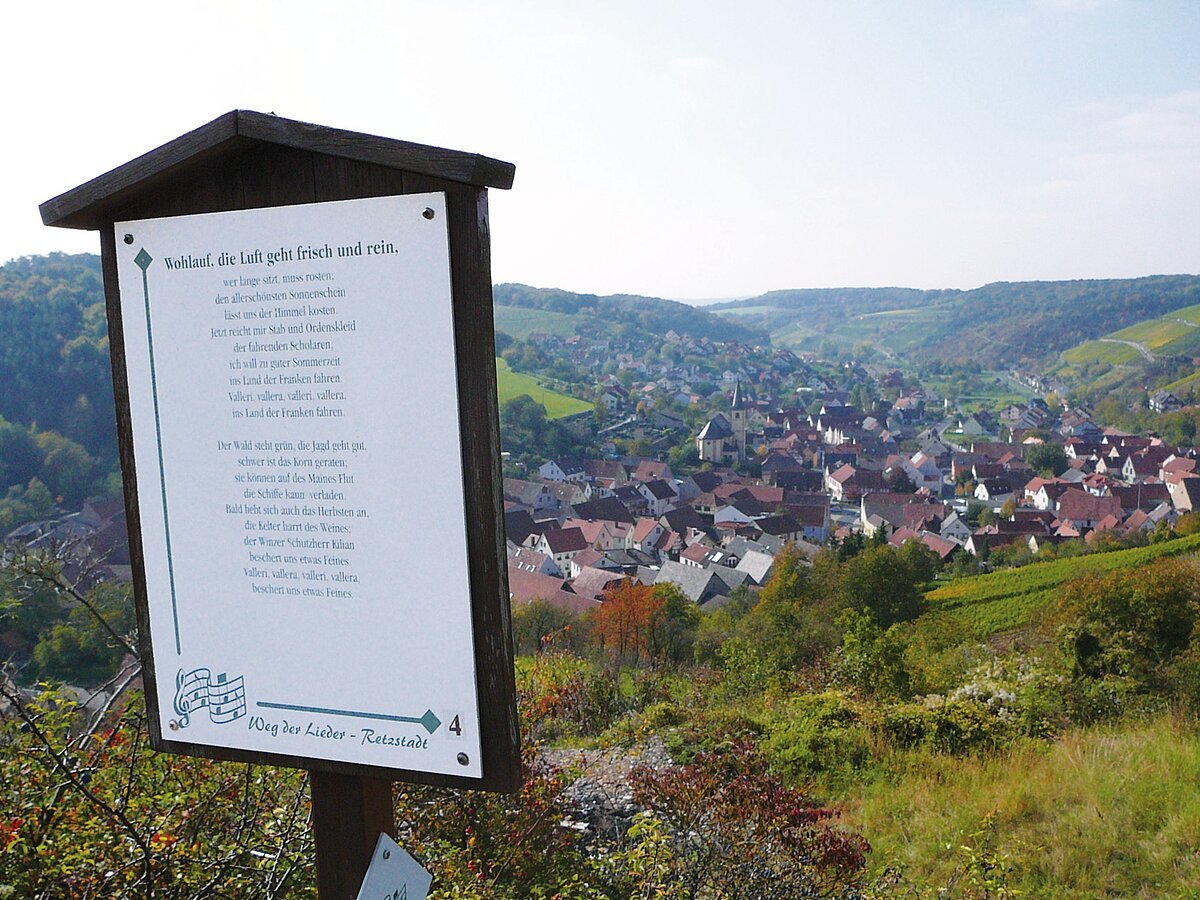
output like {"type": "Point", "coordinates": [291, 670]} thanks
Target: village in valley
{"type": "Point", "coordinates": [817, 560]}
{"type": "Point", "coordinates": [792, 450]}
{"type": "Point", "coordinates": [697, 460]}
{"type": "Point", "coordinates": [784, 449]}
{"type": "Point", "coordinates": [594, 452]}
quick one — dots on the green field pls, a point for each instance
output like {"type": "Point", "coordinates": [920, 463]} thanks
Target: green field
{"type": "Point", "coordinates": [989, 391]}
{"type": "Point", "coordinates": [1001, 602]}
{"type": "Point", "coordinates": [1187, 344]}
{"type": "Point", "coordinates": [521, 322]}
{"type": "Point", "coordinates": [890, 330]}
{"type": "Point", "coordinates": [1169, 335]}
{"type": "Point", "coordinates": [896, 313]}
{"type": "Point", "coordinates": [904, 330]}
{"type": "Point", "coordinates": [745, 311]}
{"type": "Point", "coordinates": [511, 384]}
{"type": "Point", "coordinates": [1101, 351]}
{"type": "Point", "coordinates": [1183, 383]}
{"type": "Point", "coordinates": [1188, 314]}
{"type": "Point", "coordinates": [1154, 334]}
{"type": "Point", "coordinates": [795, 335]}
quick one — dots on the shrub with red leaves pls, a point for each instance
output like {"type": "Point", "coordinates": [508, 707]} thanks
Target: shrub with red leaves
{"type": "Point", "coordinates": [493, 845]}
{"type": "Point", "coordinates": [740, 831]}
{"type": "Point", "coordinates": [10, 833]}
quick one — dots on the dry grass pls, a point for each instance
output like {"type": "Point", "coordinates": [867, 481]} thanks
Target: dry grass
{"type": "Point", "coordinates": [1112, 811]}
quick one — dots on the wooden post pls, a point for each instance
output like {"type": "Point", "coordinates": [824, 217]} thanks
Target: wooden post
{"type": "Point", "coordinates": [348, 814]}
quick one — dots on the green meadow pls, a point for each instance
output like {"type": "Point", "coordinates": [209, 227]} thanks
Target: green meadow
{"type": "Point", "coordinates": [510, 384]}
{"type": "Point", "coordinates": [521, 322]}
{"type": "Point", "coordinates": [985, 605]}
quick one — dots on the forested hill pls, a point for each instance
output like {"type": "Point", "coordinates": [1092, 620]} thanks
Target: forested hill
{"type": "Point", "coordinates": [1004, 323]}
{"type": "Point", "coordinates": [646, 315]}
{"type": "Point", "coordinates": [833, 303]}
{"type": "Point", "coordinates": [54, 352]}
{"type": "Point", "coordinates": [57, 431]}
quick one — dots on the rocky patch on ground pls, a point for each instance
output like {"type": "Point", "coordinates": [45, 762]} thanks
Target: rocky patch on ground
{"type": "Point", "coordinates": [601, 800]}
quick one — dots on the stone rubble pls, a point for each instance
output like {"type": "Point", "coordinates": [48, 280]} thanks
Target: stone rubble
{"type": "Point", "coordinates": [601, 800]}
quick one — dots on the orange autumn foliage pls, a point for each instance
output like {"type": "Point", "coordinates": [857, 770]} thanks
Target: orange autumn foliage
{"type": "Point", "coordinates": [627, 622]}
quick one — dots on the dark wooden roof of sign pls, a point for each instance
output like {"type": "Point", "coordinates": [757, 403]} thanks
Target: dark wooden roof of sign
{"type": "Point", "coordinates": [94, 204]}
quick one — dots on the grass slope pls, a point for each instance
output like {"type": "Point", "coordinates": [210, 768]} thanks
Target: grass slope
{"type": "Point", "coordinates": [1172, 334]}
{"type": "Point", "coordinates": [511, 384]}
{"type": "Point", "coordinates": [520, 322]}
{"type": "Point", "coordinates": [1156, 333]}
{"type": "Point", "coordinates": [1182, 385]}
{"type": "Point", "coordinates": [1102, 812]}
{"type": "Point", "coordinates": [992, 392]}
{"type": "Point", "coordinates": [1101, 352]}
{"type": "Point", "coordinates": [607, 314]}
{"type": "Point", "coordinates": [985, 605]}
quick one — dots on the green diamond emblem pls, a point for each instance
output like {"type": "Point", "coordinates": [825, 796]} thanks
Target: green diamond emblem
{"type": "Point", "coordinates": [429, 721]}
{"type": "Point", "coordinates": [143, 259]}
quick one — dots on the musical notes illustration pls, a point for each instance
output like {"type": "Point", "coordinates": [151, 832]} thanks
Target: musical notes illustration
{"type": "Point", "coordinates": [224, 698]}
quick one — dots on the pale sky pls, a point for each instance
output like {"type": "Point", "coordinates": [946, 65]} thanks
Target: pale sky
{"type": "Point", "coordinates": [678, 149]}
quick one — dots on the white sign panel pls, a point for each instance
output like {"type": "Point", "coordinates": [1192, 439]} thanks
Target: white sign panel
{"type": "Point", "coordinates": [295, 425]}
{"type": "Point", "coordinates": [394, 874]}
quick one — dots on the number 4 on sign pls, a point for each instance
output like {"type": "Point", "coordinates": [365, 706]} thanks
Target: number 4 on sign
{"type": "Point", "coordinates": [393, 874]}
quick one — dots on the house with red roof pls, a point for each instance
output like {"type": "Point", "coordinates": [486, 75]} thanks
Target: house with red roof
{"type": "Point", "coordinates": [1185, 493]}
{"type": "Point", "coordinates": [1083, 510]}
{"type": "Point", "coordinates": [649, 469]}
{"type": "Point", "coordinates": [591, 583]}
{"type": "Point", "coordinates": [525, 587]}
{"type": "Point", "coordinates": [600, 534]}
{"type": "Point", "coordinates": [644, 535]}
{"type": "Point", "coordinates": [848, 483]}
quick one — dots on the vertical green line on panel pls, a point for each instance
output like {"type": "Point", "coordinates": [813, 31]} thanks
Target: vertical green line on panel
{"type": "Point", "coordinates": [143, 260]}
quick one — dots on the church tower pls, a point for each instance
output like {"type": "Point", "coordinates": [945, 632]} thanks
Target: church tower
{"type": "Point", "coordinates": [738, 415]}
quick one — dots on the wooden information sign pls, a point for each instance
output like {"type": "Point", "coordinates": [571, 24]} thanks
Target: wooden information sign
{"type": "Point", "coordinates": [301, 330]}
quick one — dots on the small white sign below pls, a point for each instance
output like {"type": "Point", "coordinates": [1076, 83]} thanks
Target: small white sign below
{"type": "Point", "coordinates": [393, 874]}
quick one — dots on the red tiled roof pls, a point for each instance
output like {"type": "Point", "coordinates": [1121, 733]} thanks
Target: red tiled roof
{"type": "Point", "coordinates": [586, 557]}
{"type": "Point", "coordinates": [939, 545]}
{"type": "Point", "coordinates": [524, 586]}
{"type": "Point", "coordinates": [1180, 464]}
{"type": "Point", "coordinates": [527, 559]}
{"type": "Point", "coordinates": [666, 541]}
{"type": "Point", "coordinates": [1079, 506]}
{"type": "Point", "coordinates": [648, 469]}
{"type": "Point", "coordinates": [591, 582]}
{"type": "Point", "coordinates": [1137, 519]}
{"type": "Point", "coordinates": [643, 528]}
{"type": "Point", "coordinates": [843, 473]}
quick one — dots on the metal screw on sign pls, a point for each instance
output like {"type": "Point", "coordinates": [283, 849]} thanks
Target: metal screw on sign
{"type": "Point", "coordinates": [129, 238]}
{"type": "Point", "coordinates": [387, 854]}
{"type": "Point", "coordinates": [463, 759]}
{"type": "Point", "coordinates": [428, 213]}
